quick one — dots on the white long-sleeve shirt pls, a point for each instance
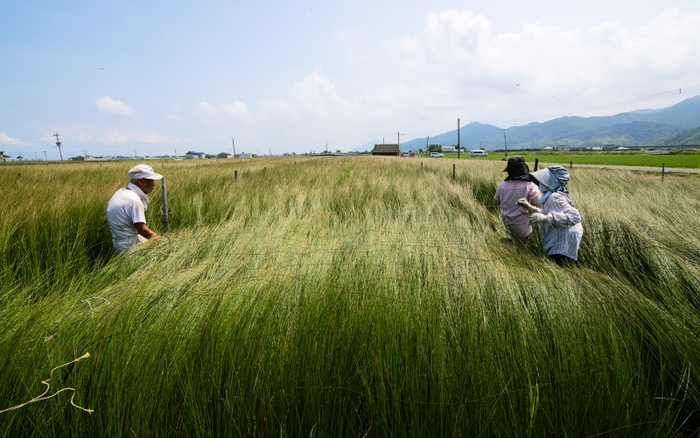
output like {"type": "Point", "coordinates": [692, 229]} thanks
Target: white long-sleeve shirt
{"type": "Point", "coordinates": [562, 232]}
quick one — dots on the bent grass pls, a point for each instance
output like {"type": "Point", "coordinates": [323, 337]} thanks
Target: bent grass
{"type": "Point", "coordinates": [349, 297]}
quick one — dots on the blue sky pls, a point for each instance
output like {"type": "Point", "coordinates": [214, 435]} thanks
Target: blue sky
{"type": "Point", "coordinates": [149, 78]}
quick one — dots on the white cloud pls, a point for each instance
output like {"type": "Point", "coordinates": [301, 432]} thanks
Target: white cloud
{"type": "Point", "coordinates": [108, 105]}
{"type": "Point", "coordinates": [314, 96]}
{"type": "Point", "coordinates": [317, 91]}
{"type": "Point", "coordinates": [6, 139]}
{"type": "Point", "coordinates": [521, 71]}
{"type": "Point", "coordinates": [236, 110]}
{"type": "Point", "coordinates": [203, 108]}
{"type": "Point", "coordinates": [280, 107]}
{"type": "Point", "coordinates": [116, 137]}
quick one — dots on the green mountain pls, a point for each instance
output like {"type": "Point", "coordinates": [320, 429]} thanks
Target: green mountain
{"type": "Point", "coordinates": [690, 137]}
{"type": "Point", "coordinates": [636, 128]}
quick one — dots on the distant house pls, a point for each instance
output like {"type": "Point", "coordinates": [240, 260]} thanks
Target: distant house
{"type": "Point", "coordinates": [223, 155]}
{"type": "Point", "coordinates": [4, 158]}
{"type": "Point", "coordinates": [193, 154]}
{"type": "Point", "coordinates": [548, 148]}
{"type": "Point", "coordinates": [82, 158]}
{"type": "Point", "coordinates": [449, 149]}
{"type": "Point", "coordinates": [245, 155]}
{"type": "Point", "coordinates": [563, 148]}
{"type": "Point", "coordinates": [386, 149]}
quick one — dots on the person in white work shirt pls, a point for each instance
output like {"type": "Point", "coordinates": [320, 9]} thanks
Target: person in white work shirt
{"type": "Point", "coordinates": [559, 221]}
{"type": "Point", "coordinates": [126, 210]}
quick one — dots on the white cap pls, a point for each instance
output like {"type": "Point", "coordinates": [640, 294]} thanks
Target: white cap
{"type": "Point", "coordinates": [143, 171]}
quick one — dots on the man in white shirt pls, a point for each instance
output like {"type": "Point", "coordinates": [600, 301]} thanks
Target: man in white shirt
{"type": "Point", "coordinates": [126, 210]}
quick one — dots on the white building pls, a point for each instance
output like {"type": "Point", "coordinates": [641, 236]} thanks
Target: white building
{"type": "Point", "coordinates": [193, 154]}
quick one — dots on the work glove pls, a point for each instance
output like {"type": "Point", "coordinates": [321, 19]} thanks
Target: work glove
{"type": "Point", "coordinates": [538, 218]}
{"type": "Point", "coordinates": [527, 206]}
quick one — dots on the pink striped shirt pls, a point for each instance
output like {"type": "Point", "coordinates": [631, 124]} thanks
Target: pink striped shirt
{"type": "Point", "coordinates": [516, 218]}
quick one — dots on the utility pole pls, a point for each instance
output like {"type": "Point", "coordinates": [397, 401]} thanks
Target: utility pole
{"type": "Point", "coordinates": [45, 159]}
{"type": "Point", "coordinates": [398, 140]}
{"type": "Point", "coordinates": [233, 143]}
{"type": "Point", "coordinates": [427, 145]}
{"type": "Point", "coordinates": [58, 145]}
{"type": "Point", "coordinates": [459, 148]}
{"type": "Point", "coordinates": [505, 142]}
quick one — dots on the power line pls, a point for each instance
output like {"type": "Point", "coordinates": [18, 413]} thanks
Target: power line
{"type": "Point", "coordinates": [669, 93]}
{"type": "Point", "coordinates": [313, 143]}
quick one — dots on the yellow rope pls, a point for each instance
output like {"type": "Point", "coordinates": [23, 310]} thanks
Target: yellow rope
{"type": "Point", "coordinates": [41, 397]}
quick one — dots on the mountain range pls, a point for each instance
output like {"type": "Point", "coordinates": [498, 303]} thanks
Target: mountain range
{"type": "Point", "coordinates": [677, 124]}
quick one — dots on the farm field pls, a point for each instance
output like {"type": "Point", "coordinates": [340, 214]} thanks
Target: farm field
{"type": "Point", "coordinates": [345, 296]}
{"type": "Point", "coordinates": [688, 160]}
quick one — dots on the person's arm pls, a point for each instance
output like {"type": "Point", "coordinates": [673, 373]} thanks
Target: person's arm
{"type": "Point", "coordinates": [562, 214]}
{"type": "Point", "coordinates": [531, 209]}
{"type": "Point", "coordinates": [144, 231]}
{"type": "Point", "coordinates": [533, 194]}
{"type": "Point", "coordinates": [497, 197]}
{"type": "Point", "coordinates": [568, 217]}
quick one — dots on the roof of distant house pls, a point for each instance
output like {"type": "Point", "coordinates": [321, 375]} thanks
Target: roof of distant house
{"type": "Point", "coordinates": [385, 149]}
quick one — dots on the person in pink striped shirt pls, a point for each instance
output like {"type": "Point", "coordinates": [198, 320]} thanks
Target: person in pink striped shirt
{"type": "Point", "coordinates": [517, 185]}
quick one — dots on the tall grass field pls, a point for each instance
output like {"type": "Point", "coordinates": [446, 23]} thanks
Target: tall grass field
{"type": "Point", "coordinates": [683, 158]}
{"type": "Point", "coordinates": [345, 297]}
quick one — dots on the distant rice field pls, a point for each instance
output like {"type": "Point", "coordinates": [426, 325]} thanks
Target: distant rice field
{"type": "Point", "coordinates": [345, 296]}
{"type": "Point", "coordinates": [678, 159]}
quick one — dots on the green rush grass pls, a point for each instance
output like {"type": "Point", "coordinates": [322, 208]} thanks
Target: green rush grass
{"type": "Point", "coordinates": [340, 296]}
{"type": "Point", "coordinates": [684, 158]}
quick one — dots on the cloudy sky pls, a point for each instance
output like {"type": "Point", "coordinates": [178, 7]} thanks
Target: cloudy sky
{"type": "Point", "coordinates": [127, 77]}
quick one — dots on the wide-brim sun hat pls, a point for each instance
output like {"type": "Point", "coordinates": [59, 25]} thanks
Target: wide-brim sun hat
{"type": "Point", "coordinates": [513, 161]}
{"type": "Point", "coordinates": [143, 171]}
{"type": "Point", "coordinates": [554, 177]}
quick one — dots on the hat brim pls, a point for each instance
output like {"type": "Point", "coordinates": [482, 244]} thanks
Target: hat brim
{"type": "Point", "coordinates": [513, 161]}
{"type": "Point", "coordinates": [154, 177]}
{"type": "Point", "coordinates": [544, 177]}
